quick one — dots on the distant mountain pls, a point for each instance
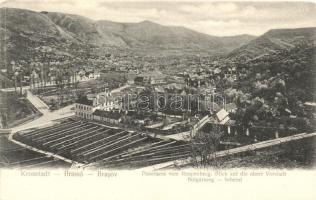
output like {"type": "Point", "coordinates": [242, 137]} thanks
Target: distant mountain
{"type": "Point", "coordinates": [274, 41]}
{"type": "Point", "coordinates": [144, 35]}
{"type": "Point", "coordinates": [24, 30]}
{"type": "Point", "coordinates": [83, 29]}
{"type": "Point", "coordinates": [21, 31]}
{"type": "Point", "coordinates": [233, 42]}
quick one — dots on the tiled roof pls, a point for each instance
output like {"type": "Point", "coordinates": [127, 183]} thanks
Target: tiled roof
{"type": "Point", "coordinates": [85, 101]}
{"type": "Point", "coordinates": [136, 115]}
{"type": "Point", "coordinates": [108, 114]}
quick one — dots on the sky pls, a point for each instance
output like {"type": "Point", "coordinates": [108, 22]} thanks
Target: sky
{"type": "Point", "coordinates": [213, 18]}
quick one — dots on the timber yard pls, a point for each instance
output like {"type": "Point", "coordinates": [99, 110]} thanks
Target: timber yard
{"type": "Point", "coordinates": [82, 93]}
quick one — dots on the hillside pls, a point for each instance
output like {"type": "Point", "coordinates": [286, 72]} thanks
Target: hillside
{"type": "Point", "coordinates": [275, 76]}
{"type": "Point", "coordinates": [274, 41]}
{"type": "Point", "coordinates": [144, 35]}
{"type": "Point", "coordinates": [234, 42]}
{"type": "Point", "coordinates": [22, 31]}
{"type": "Point", "coordinates": [275, 87]}
{"type": "Point", "coordinates": [84, 29]}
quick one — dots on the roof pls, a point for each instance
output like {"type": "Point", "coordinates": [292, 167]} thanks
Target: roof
{"type": "Point", "coordinates": [231, 122]}
{"type": "Point", "coordinates": [108, 114]}
{"type": "Point", "coordinates": [139, 79]}
{"type": "Point", "coordinates": [103, 99]}
{"type": "Point", "coordinates": [176, 86]}
{"type": "Point", "coordinates": [217, 70]}
{"type": "Point", "coordinates": [85, 101]}
{"type": "Point", "coordinates": [222, 114]}
{"type": "Point", "coordinates": [111, 70]}
{"type": "Point", "coordinates": [159, 89]}
{"type": "Point", "coordinates": [225, 120]}
{"type": "Point", "coordinates": [288, 111]}
{"type": "Point", "coordinates": [313, 104]}
{"type": "Point", "coordinates": [136, 115]}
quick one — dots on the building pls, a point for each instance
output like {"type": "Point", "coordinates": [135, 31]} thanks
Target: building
{"type": "Point", "coordinates": [142, 80]}
{"type": "Point", "coordinates": [110, 117]}
{"type": "Point", "coordinates": [85, 107]}
{"type": "Point", "coordinates": [106, 101]}
{"type": "Point", "coordinates": [222, 116]}
{"type": "Point", "coordinates": [196, 81]}
{"type": "Point", "coordinates": [310, 106]}
{"type": "Point", "coordinates": [131, 75]}
{"type": "Point", "coordinates": [113, 75]}
{"type": "Point", "coordinates": [158, 80]}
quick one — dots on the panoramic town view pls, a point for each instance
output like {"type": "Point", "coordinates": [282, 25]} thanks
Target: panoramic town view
{"type": "Point", "coordinates": [179, 85]}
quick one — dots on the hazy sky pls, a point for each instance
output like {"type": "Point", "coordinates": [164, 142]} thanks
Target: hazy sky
{"type": "Point", "coordinates": [214, 18]}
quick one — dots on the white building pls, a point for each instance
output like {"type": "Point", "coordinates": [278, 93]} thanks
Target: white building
{"type": "Point", "coordinates": [86, 105]}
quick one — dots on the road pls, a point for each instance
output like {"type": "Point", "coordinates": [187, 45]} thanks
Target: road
{"type": "Point", "coordinates": [116, 90]}
{"type": "Point", "coordinates": [183, 136]}
{"type": "Point", "coordinates": [37, 102]}
{"type": "Point", "coordinates": [48, 116]}
{"type": "Point", "coordinates": [251, 147]}
{"type": "Point", "coordinates": [46, 119]}
{"type": "Point", "coordinates": [27, 87]}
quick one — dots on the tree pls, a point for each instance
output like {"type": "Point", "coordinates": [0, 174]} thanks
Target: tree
{"type": "Point", "coordinates": [15, 80]}
{"type": "Point", "coordinates": [204, 145]}
{"type": "Point", "coordinates": [15, 74]}
{"type": "Point", "coordinates": [3, 118]}
{"type": "Point", "coordinates": [21, 73]}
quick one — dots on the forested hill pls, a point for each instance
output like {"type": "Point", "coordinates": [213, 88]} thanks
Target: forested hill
{"type": "Point", "coordinates": [274, 41]}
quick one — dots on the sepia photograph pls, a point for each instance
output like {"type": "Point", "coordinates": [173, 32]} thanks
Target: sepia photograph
{"type": "Point", "coordinates": [168, 88]}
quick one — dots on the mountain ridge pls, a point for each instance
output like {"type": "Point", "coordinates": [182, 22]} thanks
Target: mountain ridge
{"type": "Point", "coordinates": [275, 40]}
{"type": "Point", "coordinates": [25, 30]}
{"type": "Point", "coordinates": [145, 34]}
